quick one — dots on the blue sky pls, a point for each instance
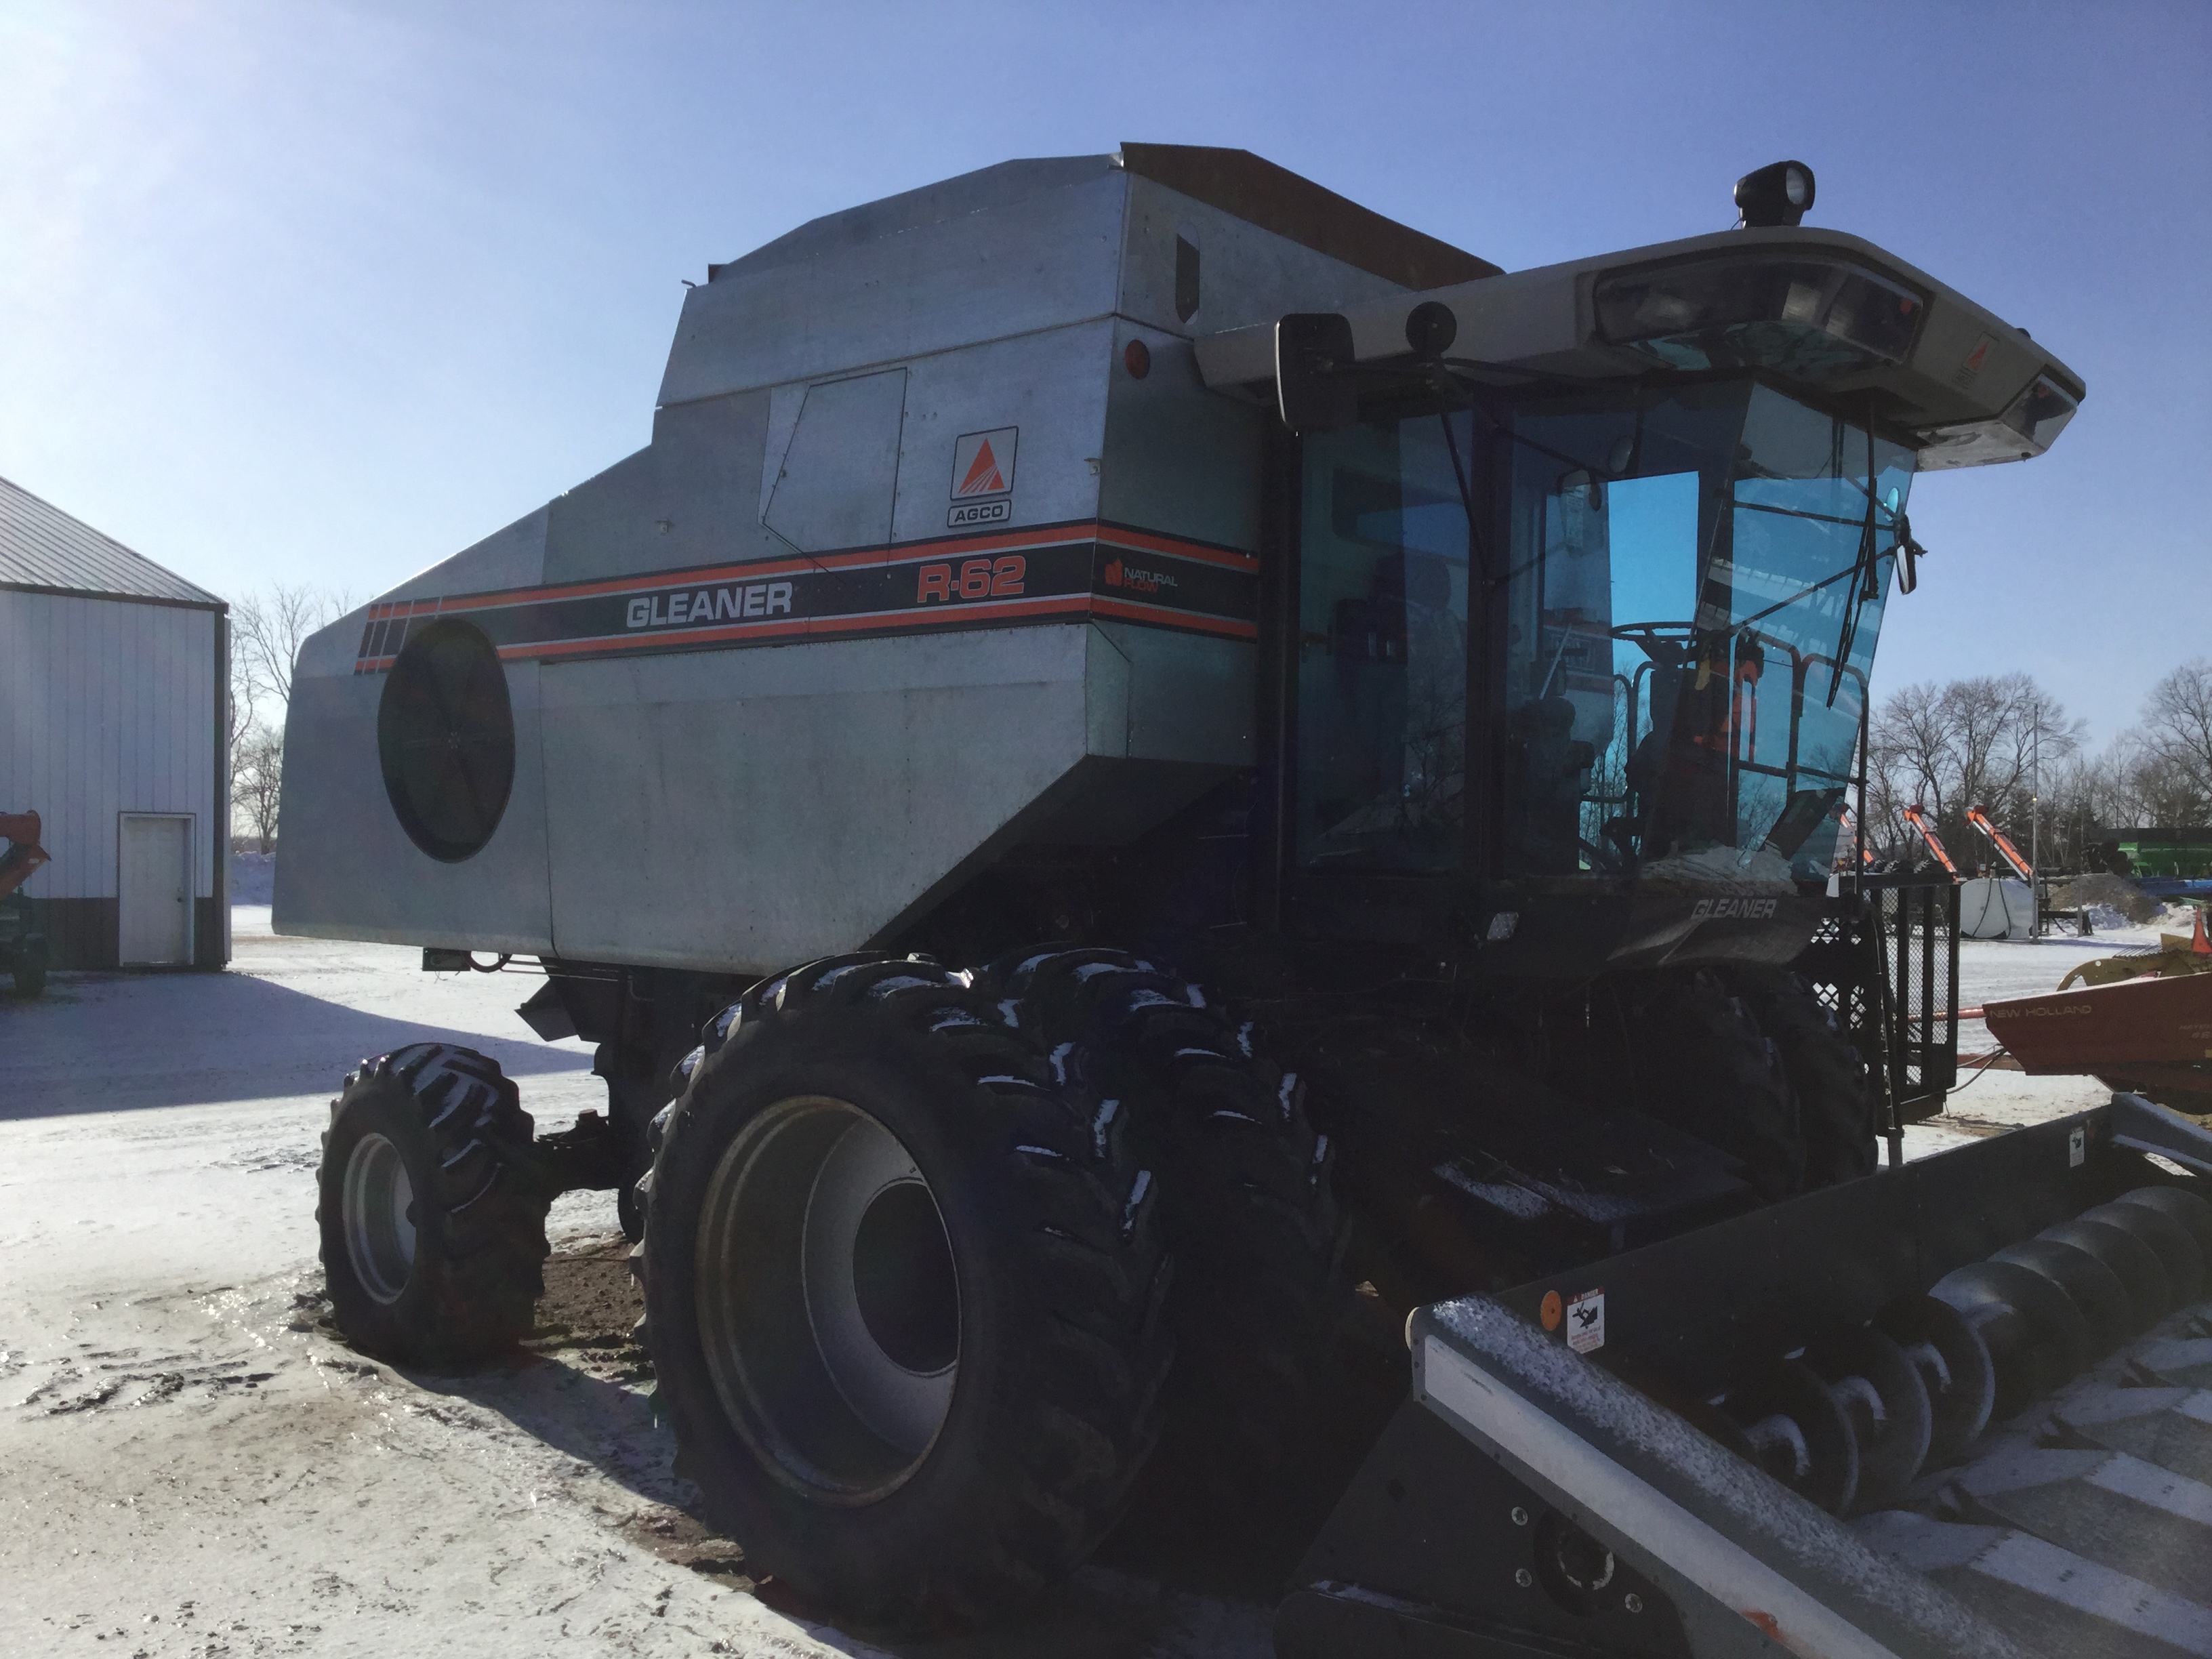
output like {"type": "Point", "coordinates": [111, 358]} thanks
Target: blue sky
{"type": "Point", "coordinates": [323, 292]}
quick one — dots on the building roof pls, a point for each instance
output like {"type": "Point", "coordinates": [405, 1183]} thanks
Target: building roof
{"type": "Point", "coordinates": [44, 550]}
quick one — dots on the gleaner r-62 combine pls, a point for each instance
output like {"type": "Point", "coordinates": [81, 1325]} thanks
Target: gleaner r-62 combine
{"type": "Point", "coordinates": [1153, 771]}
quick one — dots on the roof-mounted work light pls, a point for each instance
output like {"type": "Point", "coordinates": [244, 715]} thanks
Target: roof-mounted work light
{"type": "Point", "coordinates": [1777, 194]}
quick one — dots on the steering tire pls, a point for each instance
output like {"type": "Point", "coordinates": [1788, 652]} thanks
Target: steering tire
{"type": "Point", "coordinates": [432, 1213]}
{"type": "Point", "coordinates": [903, 1280]}
{"type": "Point", "coordinates": [1837, 1102]}
{"type": "Point", "coordinates": [1703, 1064]}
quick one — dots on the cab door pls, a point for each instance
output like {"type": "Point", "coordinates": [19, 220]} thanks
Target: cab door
{"type": "Point", "coordinates": [1377, 670]}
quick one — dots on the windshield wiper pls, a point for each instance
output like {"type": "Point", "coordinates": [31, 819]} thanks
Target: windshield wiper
{"type": "Point", "coordinates": [1865, 585]}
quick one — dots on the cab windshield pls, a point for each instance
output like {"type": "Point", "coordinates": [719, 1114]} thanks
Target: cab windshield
{"type": "Point", "coordinates": [1684, 586]}
{"type": "Point", "coordinates": [1695, 587]}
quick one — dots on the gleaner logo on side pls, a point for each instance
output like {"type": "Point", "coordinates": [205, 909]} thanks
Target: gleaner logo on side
{"type": "Point", "coordinates": [710, 605]}
{"type": "Point", "coordinates": [1727, 910]}
{"type": "Point", "coordinates": [982, 478]}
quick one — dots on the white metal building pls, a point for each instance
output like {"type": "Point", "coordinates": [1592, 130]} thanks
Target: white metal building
{"type": "Point", "coordinates": [113, 682]}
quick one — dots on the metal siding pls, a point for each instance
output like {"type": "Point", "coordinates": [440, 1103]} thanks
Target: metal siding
{"type": "Point", "coordinates": [1034, 263]}
{"type": "Point", "coordinates": [1246, 275]}
{"type": "Point", "coordinates": [778, 804]}
{"type": "Point", "coordinates": [511, 557]}
{"type": "Point", "coordinates": [349, 870]}
{"type": "Point", "coordinates": [1052, 386]}
{"type": "Point", "coordinates": [110, 709]}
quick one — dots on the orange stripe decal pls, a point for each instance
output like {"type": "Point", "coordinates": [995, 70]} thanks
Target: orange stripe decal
{"type": "Point", "coordinates": [994, 579]}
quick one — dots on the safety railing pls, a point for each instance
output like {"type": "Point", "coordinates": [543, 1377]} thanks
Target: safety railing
{"type": "Point", "coordinates": [1884, 959]}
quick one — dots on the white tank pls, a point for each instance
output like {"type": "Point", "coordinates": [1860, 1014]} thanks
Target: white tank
{"type": "Point", "coordinates": [1992, 908]}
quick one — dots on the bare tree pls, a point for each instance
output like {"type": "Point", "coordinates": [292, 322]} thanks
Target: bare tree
{"type": "Point", "coordinates": [2153, 786]}
{"type": "Point", "coordinates": [1908, 761]}
{"type": "Point", "coordinates": [239, 709]}
{"type": "Point", "coordinates": [261, 764]}
{"type": "Point", "coordinates": [267, 631]}
{"type": "Point", "coordinates": [1972, 743]}
{"type": "Point", "coordinates": [2175, 739]}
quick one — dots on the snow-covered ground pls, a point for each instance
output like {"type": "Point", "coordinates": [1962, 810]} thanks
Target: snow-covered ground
{"type": "Point", "coordinates": [192, 1465]}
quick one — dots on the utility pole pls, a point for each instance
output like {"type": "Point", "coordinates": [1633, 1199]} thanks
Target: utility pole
{"type": "Point", "coordinates": [2035, 808]}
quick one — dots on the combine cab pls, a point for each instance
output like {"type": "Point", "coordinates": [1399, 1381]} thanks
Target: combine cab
{"type": "Point", "coordinates": [1176, 809]}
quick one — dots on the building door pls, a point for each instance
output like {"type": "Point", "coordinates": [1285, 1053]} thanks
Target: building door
{"type": "Point", "coordinates": [155, 890]}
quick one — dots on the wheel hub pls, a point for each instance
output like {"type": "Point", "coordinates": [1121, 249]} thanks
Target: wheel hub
{"type": "Point", "coordinates": [379, 1217]}
{"type": "Point", "coordinates": [829, 1304]}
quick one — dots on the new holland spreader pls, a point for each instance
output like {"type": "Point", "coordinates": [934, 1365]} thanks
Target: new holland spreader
{"type": "Point", "coordinates": [1173, 807]}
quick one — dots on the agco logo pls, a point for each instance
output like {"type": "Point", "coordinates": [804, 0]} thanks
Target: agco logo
{"type": "Point", "coordinates": [982, 478]}
{"type": "Point", "coordinates": [1144, 581]}
{"type": "Point", "coordinates": [1733, 910]}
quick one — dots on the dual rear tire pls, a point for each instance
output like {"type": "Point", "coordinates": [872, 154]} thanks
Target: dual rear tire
{"type": "Point", "coordinates": [904, 1279]}
{"type": "Point", "coordinates": [908, 1292]}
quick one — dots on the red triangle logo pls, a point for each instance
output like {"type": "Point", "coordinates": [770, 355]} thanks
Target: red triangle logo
{"type": "Point", "coordinates": [983, 476]}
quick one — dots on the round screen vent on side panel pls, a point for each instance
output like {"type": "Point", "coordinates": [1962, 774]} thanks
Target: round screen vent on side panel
{"type": "Point", "coordinates": [445, 733]}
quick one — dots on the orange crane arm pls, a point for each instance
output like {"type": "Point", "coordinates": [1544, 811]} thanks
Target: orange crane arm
{"type": "Point", "coordinates": [2006, 850]}
{"type": "Point", "coordinates": [1926, 831]}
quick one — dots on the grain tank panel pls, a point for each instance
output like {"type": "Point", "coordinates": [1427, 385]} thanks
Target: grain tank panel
{"type": "Point", "coordinates": [920, 566]}
{"type": "Point", "coordinates": [1016, 250]}
{"type": "Point", "coordinates": [779, 805]}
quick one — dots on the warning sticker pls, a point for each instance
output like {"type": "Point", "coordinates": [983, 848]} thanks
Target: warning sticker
{"type": "Point", "coordinates": [1551, 1310]}
{"type": "Point", "coordinates": [1971, 366]}
{"type": "Point", "coordinates": [1586, 1322]}
{"type": "Point", "coordinates": [2077, 1147]}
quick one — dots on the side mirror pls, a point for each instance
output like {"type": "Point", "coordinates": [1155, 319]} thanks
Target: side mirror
{"type": "Point", "coordinates": [1314, 391]}
{"type": "Point", "coordinates": [1909, 554]}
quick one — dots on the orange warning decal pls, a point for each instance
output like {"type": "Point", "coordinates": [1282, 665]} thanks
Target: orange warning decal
{"type": "Point", "coordinates": [1552, 1311]}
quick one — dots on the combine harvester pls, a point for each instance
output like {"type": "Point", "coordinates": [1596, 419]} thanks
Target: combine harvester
{"type": "Point", "coordinates": [1151, 771]}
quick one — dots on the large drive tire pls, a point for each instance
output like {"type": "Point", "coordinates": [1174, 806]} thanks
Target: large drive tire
{"type": "Point", "coordinates": [31, 967]}
{"type": "Point", "coordinates": [431, 1211]}
{"type": "Point", "coordinates": [1251, 1217]}
{"type": "Point", "coordinates": [1703, 1064]}
{"type": "Point", "coordinates": [902, 1284]}
{"type": "Point", "coordinates": [1837, 1102]}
